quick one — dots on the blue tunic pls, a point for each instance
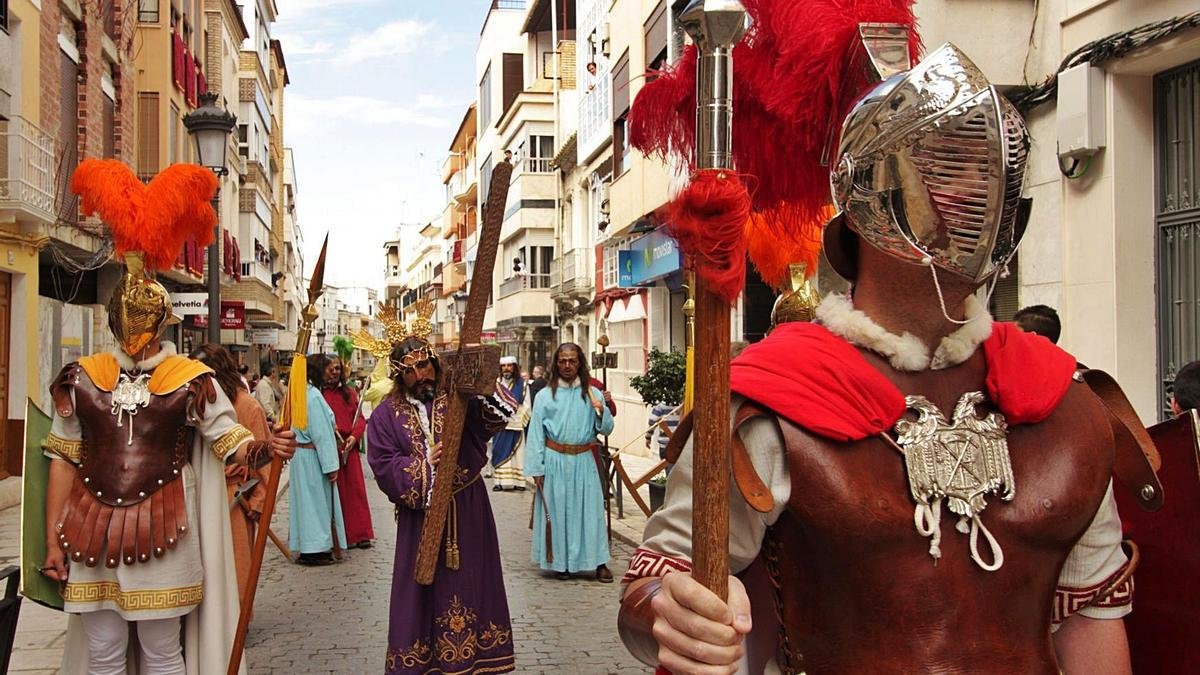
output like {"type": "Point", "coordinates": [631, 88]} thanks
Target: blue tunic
{"type": "Point", "coordinates": [573, 492]}
{"type": "Point", "coordinates": [309, 490]}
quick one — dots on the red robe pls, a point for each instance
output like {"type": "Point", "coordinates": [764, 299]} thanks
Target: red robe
{"type": "Point", "coordinates": [351, 485]}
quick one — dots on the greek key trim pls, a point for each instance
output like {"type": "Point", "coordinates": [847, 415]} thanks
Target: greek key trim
{"type": "Point", "coordinates": [131, 601]}
{"type": "Point", "coordinates": [230, 440]}
{"type": "Point", "coordinates": [67, 449]}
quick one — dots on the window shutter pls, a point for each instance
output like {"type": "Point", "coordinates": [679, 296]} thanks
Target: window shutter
{"type": "Point", "coordinates": [148, 138]}
{"type": "Point", "coordinates": [620, 86]}
{"type": "Point", "coordinates": [514, 79]}
{"type": "Point", "coordinates": [656, 35]}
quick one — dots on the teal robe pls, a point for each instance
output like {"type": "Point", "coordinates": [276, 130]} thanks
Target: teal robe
{"type": "Point", "coordinates": [572, 487]}
{"type": "Point", "coordinates": [309, 490]}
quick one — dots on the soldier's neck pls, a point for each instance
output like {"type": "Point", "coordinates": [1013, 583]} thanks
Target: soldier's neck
{"type": "Point", "coordinates": [904, 299]}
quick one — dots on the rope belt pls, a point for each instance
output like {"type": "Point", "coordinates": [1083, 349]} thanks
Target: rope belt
{"type": "Point", "coordinates": [569, 449]}
{"type": "Point", "coordinates": [306, 446]}
{"type": "Point", "coordinates": [453, 557]}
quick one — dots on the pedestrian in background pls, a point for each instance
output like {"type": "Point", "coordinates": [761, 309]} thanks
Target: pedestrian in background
{"type": "Point", "coordinates": [537, 381]}
{"type": "Point", "coordinates": [563, 457]}
{"type": "Point", "coordinates": [312, 489]}
{"type": "Point", "coordinates": [508, 446]}
{"type": "Point", "coordinates": [244, 373]}
{"type": "Point", "coordinates": [269, 391]}
{"type": "Point", "coordinates": [1039, 319]}
{"type": "Point", "coordinates": [350, 425]}
{"type": "Point", "coordinates": [1185, 393]}
{"type": "Point", "coordinates": [244, 515]}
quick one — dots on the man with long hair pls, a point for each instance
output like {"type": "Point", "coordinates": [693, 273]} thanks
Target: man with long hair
{"type": "Point", "coordinates": [508, 446]}
{"type": "Point", "coordinates": [315, 508]}
{"type": "Point", "coordinates": [466, 603]}
{"type": "Point", "coordinates": [563, 458]}
{"type": "Point", "coordinates": [351, 425]}
{"type": "Point", "coordinates": [244, 514]}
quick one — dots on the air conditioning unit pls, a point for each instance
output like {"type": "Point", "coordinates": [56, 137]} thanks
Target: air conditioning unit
{"type": "Point", "coordinates": [605, 206]}
{"type": "Point", "coordinates": [602, 34]}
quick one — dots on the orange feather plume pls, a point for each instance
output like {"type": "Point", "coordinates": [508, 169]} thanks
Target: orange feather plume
{"type": "Point", "coordinates": [157, 218]}
{"type": "Point", "coordinates": [772, 251]}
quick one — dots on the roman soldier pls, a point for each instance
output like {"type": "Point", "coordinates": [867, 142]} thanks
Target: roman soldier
{"type": "Point", "coordinates": [137, 519]}
{"type": "Point", "coordinates": [917, 487]}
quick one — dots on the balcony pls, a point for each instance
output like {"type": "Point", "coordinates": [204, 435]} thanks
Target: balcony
{"type": "Point", "coordinates": [27, 169]}
{"type": "Point", "coordinates": [569, 274]}
{"type": "Point", "coordinates": [257, 270]}
{"type": "Point", "coordinates": [524, 282]}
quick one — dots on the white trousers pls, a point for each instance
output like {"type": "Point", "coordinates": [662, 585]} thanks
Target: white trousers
{"type": "Point", "coordinates": [108, 640]}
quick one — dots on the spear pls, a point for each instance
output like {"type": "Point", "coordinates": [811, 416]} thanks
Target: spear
{"type": "Point", "coordinates": [715, 26]}
{"type": "Point", "coordinates": [294, 414]}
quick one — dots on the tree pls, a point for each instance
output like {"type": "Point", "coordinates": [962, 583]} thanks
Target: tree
{"type": "Point", "coordinates": [664, 380]}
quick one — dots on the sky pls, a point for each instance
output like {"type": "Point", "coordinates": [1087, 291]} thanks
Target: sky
{"type": "Point", "coordinates": [378, 88]}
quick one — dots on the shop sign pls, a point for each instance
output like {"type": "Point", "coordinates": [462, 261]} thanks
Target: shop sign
{"type": "Point", "coordinates": [602, 360]}
{"type": "Point", "coordinates": [233, 316]}
{"type": "Point", "coordinates": [190, 304]}
{"type": "Point", "coordinates": [625, 269]}
{"type": "Point", "coordinates": [263, 336]}
{"type": "Point", "coordinates": [487, 336]}
{"type": "Point", "coordinates": [652, 257]}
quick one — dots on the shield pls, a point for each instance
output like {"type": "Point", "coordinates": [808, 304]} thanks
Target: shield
{"type": "Point", "coordinates": [36, 475]}
{"type": "Point", "coordinates": [1166, 597]}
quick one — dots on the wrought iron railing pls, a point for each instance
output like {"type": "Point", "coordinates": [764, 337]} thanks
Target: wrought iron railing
{"type": "Point", "coordinates": [570, 272]}
{"type": "Point", "coordinates": [27, 168]}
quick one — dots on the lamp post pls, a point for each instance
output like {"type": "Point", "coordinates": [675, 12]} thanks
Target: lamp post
{"type": "Point", "coordinates": [460, 307]}
{"type": "Point", "coordinates": [210, 126]}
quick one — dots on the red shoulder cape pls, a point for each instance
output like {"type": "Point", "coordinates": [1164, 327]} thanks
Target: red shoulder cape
{"type": "Point", "coordinates": [821, 383]}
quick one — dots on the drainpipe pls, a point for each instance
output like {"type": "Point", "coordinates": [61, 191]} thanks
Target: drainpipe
{"type": "Point", "coordinates": [558, 219]}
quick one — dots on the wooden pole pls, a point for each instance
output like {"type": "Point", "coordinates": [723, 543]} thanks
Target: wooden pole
{"type": "Point", "coordinates": [710, 518]}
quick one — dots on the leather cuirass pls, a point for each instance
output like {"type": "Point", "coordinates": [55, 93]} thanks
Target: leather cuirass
{"type": "Point", "coordinates": [127, 457]}
{"type": "Point", "coordinates": [855, 587]}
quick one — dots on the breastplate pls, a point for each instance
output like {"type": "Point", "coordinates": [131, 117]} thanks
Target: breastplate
{"type": "Point", "coordinates": [133, 444]}
{"type": "Point", "coordinates": [856, 588]}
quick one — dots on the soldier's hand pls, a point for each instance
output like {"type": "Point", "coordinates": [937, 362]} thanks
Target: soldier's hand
{"type": "Point", "coordinates": [436, 455]}
{"type": "Point", "coordinates": [283, 443]}
{"type": "Point", "coordinates": [697, 632]}
{"type": "Point", "coordinates": [55, 567]}
{"type": "Point", "coordinates": [332, 477]}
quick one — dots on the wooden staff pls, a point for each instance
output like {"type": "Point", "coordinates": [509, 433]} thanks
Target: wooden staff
{"type": "Point", "coordinates": [296, 388]}
{"type": "Point", "coordinates": [466, 374]}
{"type": "Point", "coordinates": [715, 26]}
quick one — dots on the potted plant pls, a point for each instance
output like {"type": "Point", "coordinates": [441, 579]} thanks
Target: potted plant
{"type": "Point", "coordinates": [658, 490]}
{"type": "Point", "coordinates": [661, 388]}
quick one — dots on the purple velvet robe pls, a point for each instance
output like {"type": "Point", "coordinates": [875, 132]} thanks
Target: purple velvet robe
{"type": "Point", "coordinates": [460, 623]}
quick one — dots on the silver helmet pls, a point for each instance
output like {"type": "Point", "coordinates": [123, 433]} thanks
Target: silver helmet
{"type": "Point", "coordinates": [930, 169]}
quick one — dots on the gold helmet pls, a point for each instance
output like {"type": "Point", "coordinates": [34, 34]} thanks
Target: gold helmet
{"type": "Point", "coordinates": [149, 225]}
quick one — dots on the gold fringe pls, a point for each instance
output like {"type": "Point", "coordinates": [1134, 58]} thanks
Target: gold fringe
{"type": "Point", "coordinates": [297, 398]}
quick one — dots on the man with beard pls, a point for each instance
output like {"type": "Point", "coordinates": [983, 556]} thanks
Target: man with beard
{"type": "Point", "coordinates": [460, 623]}
{"type": "Point", "coordinates": [564, 460]}
{"type": "Point", "coordinates": [508, 451]}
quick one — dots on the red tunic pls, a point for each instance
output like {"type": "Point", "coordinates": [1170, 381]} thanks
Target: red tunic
{"type": "Point", "coordinates": [351, 485]}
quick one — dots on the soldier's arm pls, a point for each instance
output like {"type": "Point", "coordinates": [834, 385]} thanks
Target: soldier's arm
{"type": "Point", "coordinates": [1094, 646]}
{"type": "Point", "coordinates": [683, 618]}
{"type": "Point", "coordinates": [63, 446]}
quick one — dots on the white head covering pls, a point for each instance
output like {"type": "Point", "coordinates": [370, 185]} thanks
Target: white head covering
{"type": "Point", "coordinates": [508, 360]}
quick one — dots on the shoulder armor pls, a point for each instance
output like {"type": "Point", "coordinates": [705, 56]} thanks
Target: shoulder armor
{"type": "Point", "coordinates": [60, 389]}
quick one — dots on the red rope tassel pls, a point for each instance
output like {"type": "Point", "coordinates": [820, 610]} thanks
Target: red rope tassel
{"type": "Point", "coordinates": [708, 219]}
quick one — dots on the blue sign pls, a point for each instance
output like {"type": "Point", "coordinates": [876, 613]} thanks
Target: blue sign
{"type": "Point", "coordinates": [654, 256]}
{"type": "Point", "coordinates": [625, 269]}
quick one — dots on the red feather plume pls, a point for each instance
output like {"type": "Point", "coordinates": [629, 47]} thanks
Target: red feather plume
{"type": "Point", "coordinates": [789, 76]}
{"type": "Point", "coordinates": [157, 218]}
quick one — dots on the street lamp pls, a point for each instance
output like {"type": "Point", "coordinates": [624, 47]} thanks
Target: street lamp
{"type": "Point", "coordinates": [210, 126]}
{"type": "Point", "coordinates": [460, 307]}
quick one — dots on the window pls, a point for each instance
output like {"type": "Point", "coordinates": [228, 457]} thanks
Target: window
{"type": "Point", "coordinates": [485, 100]}
{"type": "Point", "coordinates": [656, 37]}
{"type": "Point", "coordinates": [148, 138]}
{"type": "Point", "coordinates": [148, 11]}
{"type": "Point", "coordinates": [514, 80]}
{"type": "Point", "coordinates": [107, 122]}
{"type": "Point", "coordinates": [1177, 216]}
{"type": "Point", "coordinates": [610, 263]}
{"type": "Point", "coordinates": [621, 154]}
{"type": "Point", "coordinates": [485, 180]}
{"type": "Point", "coordinates": [541, 153]}
{"type": "Point", "coordinates": [68, 132]}
{"type": "Point", "coordinates": [537, 265]}
{"type": "Point", "coordinates": [173, 136]}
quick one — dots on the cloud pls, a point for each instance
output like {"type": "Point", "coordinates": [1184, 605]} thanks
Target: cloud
{"type": "Point", "coordinates": [295, 8]}
{"type": "Point", "coordinates": [306, 115]}
{"type": "Point", "coordinates": [298, 45]}
{"type": "Point", "coordinates": [404, 36]}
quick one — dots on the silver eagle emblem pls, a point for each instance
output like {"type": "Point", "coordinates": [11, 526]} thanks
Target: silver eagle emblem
{"type": "Point", "coordinates": [959, 462]}
{"type": "Point", "coordinates": [129, 395]}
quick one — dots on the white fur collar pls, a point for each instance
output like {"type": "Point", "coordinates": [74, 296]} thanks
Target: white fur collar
{"type": "Point", "coordinates": [145, 365]}
{"type": "Point", "coordinates": [905, 352]}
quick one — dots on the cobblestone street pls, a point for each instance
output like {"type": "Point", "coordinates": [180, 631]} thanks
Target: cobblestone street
{"type": "Point", "coordinates": [334, 619]}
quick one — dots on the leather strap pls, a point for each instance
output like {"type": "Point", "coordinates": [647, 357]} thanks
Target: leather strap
{"type": "Point", "coordinates": [753, 490]}
{"type": "Point", "coordinates": [749, 483]}
{"type": "Point", "coordinates": [1136, 460]}
{"type": "Point", "coordinates": [569, 449]}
